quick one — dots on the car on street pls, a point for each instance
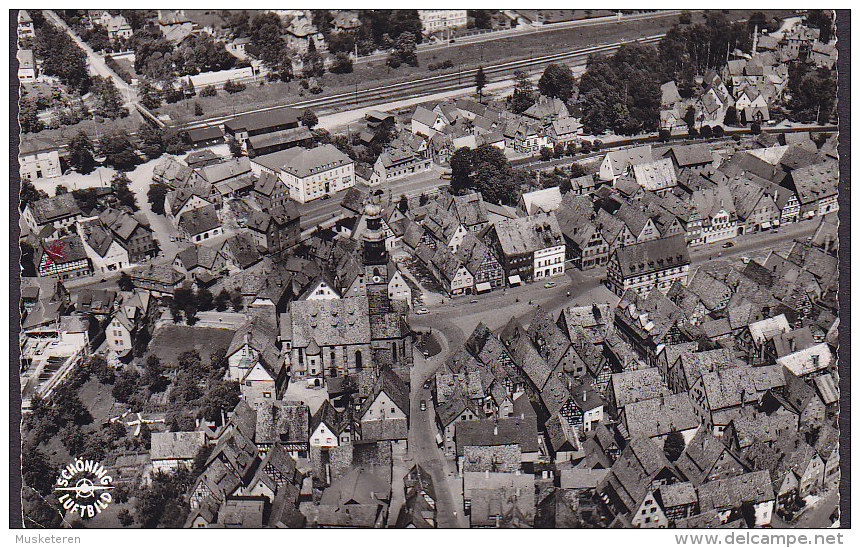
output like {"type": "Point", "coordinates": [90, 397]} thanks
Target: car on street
{"type": "Point", "coordinates": [549, 285]}
{"type": "Point", "coordinates": [325, 197]}
{"type": "Point", "coordinates": [427, 384]}
{"type": "Point", "coordinates": [421, 310]}
{"type": "Point", "coordinates": [424, 405]}
{"type": "Point", "coordinates": [473, 301]}
{"type": "Point", "coordinates": [728, 245]}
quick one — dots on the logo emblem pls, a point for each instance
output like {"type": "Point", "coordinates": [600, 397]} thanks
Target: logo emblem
{"type": "Point", "coordinates": [84, 488]}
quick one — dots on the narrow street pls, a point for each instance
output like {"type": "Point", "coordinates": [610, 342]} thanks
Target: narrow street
{"type": "Point", "coordinates": [424, 451]}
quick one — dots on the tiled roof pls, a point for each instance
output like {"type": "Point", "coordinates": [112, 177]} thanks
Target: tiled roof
{"type": "Point", "coordinates": [261, 120]}
{"type": "Point", "coordinates": [528, 234]}
{"type": "Point", "coordinates": [637, 385]}
{"type": "Point", "coordinates": [659, 416]}
{"type": "Point", "coordinates": [511, 431]}
{"type": "Point", "coordinates": [653, 255]}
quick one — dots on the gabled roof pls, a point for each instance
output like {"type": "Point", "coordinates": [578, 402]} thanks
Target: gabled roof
{"type": "Point", "coordinates": [816, 182]}
{"type": "Point", "coordinates": [393, 387]}
{"type": "Point", "coordinates": [545, 200]}
{"type": "Point", "coordinates": [620, 159]}
{"type": "Point", "coordinates": [653, 255]}
{"type": "Point", "coordinates": [54, 208]}
{"type": "Point", "coordinates": [520, 431]}
{"type": "Point", "coordinates": [256, 121]}
{"type": "Point", "coordinates": [659, 416]}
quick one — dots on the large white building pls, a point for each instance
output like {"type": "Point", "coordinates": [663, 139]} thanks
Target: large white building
{"type": "Point", "coordinates": [39, 158]}
{"type": "Point", "coordinates": [308, 173]}
{"type": "Point", "coordinates": [436, 20]}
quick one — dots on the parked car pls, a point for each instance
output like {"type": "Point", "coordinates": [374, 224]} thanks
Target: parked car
{"type": "Point", "coordinates": [549, 285]}
{"type": "Point", "coordinates": [424, 405]}
{"type": "Point", "coordinates": [473, 301]}
{"type": "Point", "coordinates": [422, 310]}
{"type": "Point", "coordinates": [728, 245]}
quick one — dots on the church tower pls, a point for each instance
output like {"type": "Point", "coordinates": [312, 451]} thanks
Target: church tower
{"type": "Point", "coordinates": [373, 241]}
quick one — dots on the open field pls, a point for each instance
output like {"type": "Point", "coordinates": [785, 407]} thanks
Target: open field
{"type": "Point", "coordinates": [172, 340]}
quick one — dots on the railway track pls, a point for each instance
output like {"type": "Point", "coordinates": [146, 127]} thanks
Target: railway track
{"type": "Point", "coordinates": [438, 83]}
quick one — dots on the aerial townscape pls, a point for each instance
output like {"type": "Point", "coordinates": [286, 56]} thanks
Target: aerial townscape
{"type": "Point", "coordinates": [430, 268]}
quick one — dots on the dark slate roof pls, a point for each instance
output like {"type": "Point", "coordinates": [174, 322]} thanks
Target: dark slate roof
{"type": "Point", "coordinates": [513, 431]}
{"type": "Point", "coordinates": [653, 255]}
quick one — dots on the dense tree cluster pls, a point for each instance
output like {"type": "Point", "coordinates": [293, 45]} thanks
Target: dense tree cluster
{"type": "Point", "coordinates": [61, 57]}
{"type": "Point", "coordinates": [108, 100]}
{"type": "Point", "coordinates": [81, 153]}
{"type": "Point", "coordinates": [621, 92]}
{"type": "Point", "coordinates": [687, 50]}
{"type": "Point", "coordinates": [486, 170]}
{"type": "Point", "coordinates": [557, 81]}
{"type": "Point", "coordinates": [823, 21]}
{"type": "Point", "coordinates": [813, 93]}
{"type": "Point", "coordinates": [159, 59]}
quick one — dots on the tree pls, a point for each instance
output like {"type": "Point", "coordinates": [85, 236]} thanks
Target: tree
{"type": "Point", "coordinates": [119, 151]}
{"type": "Point", "coordinates": [234, 87]}
{"type": "Point", "coordinates": [108, 99]}
{"type": "Point", "coordinates": [822, 20]}
{"type": "Point", "coordinates": [205, 299]}
{"type": "Point", "coordinates": [665, 134]}
{"type": "Point", "coordinates": [480, 82]}
{"type": "Point", "coordinates": [309, 119]}
{"type": "Point", "coordinates": [222, 300]}
{"type": "Point", "coordinates": [690, 117]}
{"type": "Point", "coordinates": [755, 128]}
{"type": "Point", "coordinates": [29, 193]}
{"type": "Point", "coordinates": [731, 117]}
{"type": "Point", "coordinates": [674, 445]}
{"type": "Point", "coordinates": [557, 81]}
{"type": "Point", "coordinates": [707, 132]}
{"type": "Point", "coordinates": [124, 517]}
{"type": "Point", "coordinates": [126, 385]}
{"type": "Point", "coordinates": [486, 170]}
{"type": "Point", "coordinates": [28, 116]}
{"type": "Point", "coordinates": [188, 88]}
{"type": "Point", "coordinates": [161, 503]}
{"type": "Point", "coordinates": [622, 92]}
{"type": "Point", "coordinates": [81, 153]}
{"type": "Point", "coordinates": [150, 97]}
{"type": "Point", "coordinates": [403, 204]}
{"type": "Point", "coordinates": [155, 195]}
{"type": "Point", "coordinates": [208, 91]}
{"type": "Point", "coordinates": [119, 185]}
{"type": "Point", "coordinates": [221, 396]}
{"type": "Point", "coordinates": [405, 47]}
{"type": "Point", "coordinates": [235, 147]}
{"type": "Point", "coordinates": [342, 64]}
{"type": "Point", "coordinates": [483, 19]}
{"type": "Point", "coordinates": [545, 153]}
{"type": "Point", "coordinates": [198, 110]}
{"type": "Point", "coordinates": [125, 283]}
{"type": "Point", "coordinates": [36, 468]}
{"type": "Point", "coordinates": [523, 95]}
{"type": "Point", "coordinates": [719, 131]}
